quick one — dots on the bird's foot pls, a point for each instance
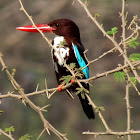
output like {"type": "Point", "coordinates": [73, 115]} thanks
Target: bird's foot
{"type": "Point", "coordinates": [73, 80]}
{"type": "Point", "coordinates": [60, 87]}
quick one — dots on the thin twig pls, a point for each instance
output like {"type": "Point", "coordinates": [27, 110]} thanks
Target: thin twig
{"type": "Point", "coordinates": [7, 135]}
{"type": "Point", "coordinates": [99, 113]}
{"type": "Point", "coordinates": [106, 73]}
{"type": "Point", "coordinates": [69, 93]}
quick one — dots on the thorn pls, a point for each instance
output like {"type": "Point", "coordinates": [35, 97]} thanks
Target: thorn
{"type": "Point", "coordinates": [73, 2]}
{"type": "Point", "coordinates": [69, 93]}
{"type": "Point", "coordinates": [109, 130]}
{"type": "Point", "coordinates": [24, 102]}
{"type": "Point", "coordinates": [41, 134]}
{"type": "Point", "coordinates": [0, 99]}
{"type": "Point", "coordinates": [37, 87]}
{"type": "Point", "coordinates": [3, 68]}
{"type": "Point", "coordinates": [85, 51]}
{"type": "Point", "coordinates": [49, 96]}
{"type": "Point", "coordinates": [21, 9]}
{"type": "Point", "coordinates": [89, 84]}
{"type": "Point", "coordinates": [47, 130]}
{"type": "Point", "coordinates": [43, 108]}
{"type": "Point", "coordinates": [47, 93]}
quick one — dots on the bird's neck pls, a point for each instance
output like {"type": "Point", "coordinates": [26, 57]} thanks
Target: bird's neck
{"type": "Point", "coordinates": [61, 49]}
{"type": "Point", "coordinates": [58, 41]}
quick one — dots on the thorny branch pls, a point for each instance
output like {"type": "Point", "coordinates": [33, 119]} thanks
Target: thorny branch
{"type": "Point", "coordinates": [52, 90]}
{"type": "Point", "coordinates": [124, 16]}
{"type": "Point", "coordinates": [127, 65]}
{"type": "Point", "coordinates": [120, 134]}
{"type": "Point", "coordinates": [37, 109]}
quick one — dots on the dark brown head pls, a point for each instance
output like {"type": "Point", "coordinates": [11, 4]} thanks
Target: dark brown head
{"type": "Point", "coordinates": [61, 27]}
{"type": "Point", "coordinates": [66, 28]}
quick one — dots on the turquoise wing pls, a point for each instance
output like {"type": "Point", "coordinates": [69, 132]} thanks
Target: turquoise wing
{"type": "Point", "coordinates": [81, 61]}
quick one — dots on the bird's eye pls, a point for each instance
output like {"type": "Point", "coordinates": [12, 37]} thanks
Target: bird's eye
{"type": "Point", "coordinates": [56, 25]}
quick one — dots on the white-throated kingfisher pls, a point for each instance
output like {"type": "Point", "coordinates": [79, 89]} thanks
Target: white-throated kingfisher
{"type": "Point", "coordinates": [68, 44]}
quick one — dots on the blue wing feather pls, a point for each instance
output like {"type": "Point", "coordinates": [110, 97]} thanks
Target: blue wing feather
{"type": "Point", "coordinates": [81, 61]}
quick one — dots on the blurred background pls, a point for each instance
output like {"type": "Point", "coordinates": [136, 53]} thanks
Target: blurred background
{"type": "Point", "coordinates": [30, 55]}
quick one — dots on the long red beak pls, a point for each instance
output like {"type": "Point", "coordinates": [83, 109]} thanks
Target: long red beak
{"type": "Point", "coordinates": [42, 27]}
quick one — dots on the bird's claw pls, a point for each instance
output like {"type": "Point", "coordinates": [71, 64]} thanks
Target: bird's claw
{"type": "Point", "coordinates": [60, 87]}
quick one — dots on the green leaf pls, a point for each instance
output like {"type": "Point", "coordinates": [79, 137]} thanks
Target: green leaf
{"type": "Point", "coordinates": [62, 43]}
{"type": "Point", "coordinates": [25, 137]}
{"type": "Point", "coordinates": [135, 57]}
{"type": "Point", "coordinates": [79, 72]}
{"type": "Point", "coordinates": [10, 129]}
{"type": "Point", "coordinates": [86, 1]}
{"type": "Point", "coordinates": [80, 75]}
{"type": "Point", "coordinates": [72, 65]}
{"type": "Point", "coordinates": [133, 80]}
{"type": "Point", "coordinates": [82, 95]}
{"type": "Point", "coordinates": [99, 108]}
{"type": "Point", "coordinates": [1, 111]}
{"type": "Point", "coordinates": [113, 31]}
{"type": "Point", "coordinates": [87, 91]}
{"type": "Point", "coordinates": [82, 91]}
{"type": "Point", "coordinates": [13, 72]}
{"type": "Point", "coordinates": [79, 90]}
{"type": "Point", "coordinates": [119, 76]}
{"type": "Point", "coordinates": [96, 15]}
{"type": "Point", "coordinates": [133, 43]}
{"type": "Point", "coordinates": [66, 79]}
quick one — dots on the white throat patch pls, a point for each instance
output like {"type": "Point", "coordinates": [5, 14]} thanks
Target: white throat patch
{"type": "Point", "coordinates": [63, 51]}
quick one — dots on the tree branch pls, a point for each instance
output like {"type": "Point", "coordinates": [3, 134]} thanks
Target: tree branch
{"type": "Point", "coordinates": [120, 68]}
{"type": "Point", "coordinates": [125, 62]}
{"type": "Point", "coordinates": [37, 109]}
{"type": "Point", "coordinates": [131, 132]}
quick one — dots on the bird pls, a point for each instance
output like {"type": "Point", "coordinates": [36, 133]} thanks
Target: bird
{"type": "Point", "coordinates": [67, 48]}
